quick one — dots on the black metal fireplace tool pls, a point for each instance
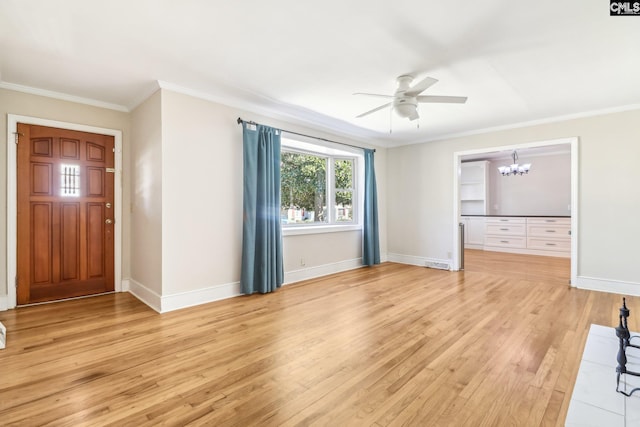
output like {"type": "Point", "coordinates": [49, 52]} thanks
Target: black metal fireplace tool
{"type": "Point", "coordinates": [624, 341]}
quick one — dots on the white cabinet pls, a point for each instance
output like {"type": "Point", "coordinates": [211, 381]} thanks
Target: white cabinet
{"type": "Point", "coordinates": [474, 180]}
{"type": "Point", "coordinates": [529, 235]}
{"type": "Point", "coordinates": [505, 232]}
{"type": "Point", "coordinates": [473, 232]}
{"type": "Point", "coordinates": [549, 234]}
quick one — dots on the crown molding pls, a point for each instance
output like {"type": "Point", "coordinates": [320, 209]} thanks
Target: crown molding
{"type": "Point", "coordinates": [63, 96]}
{"type": "Point", "coordinates": [274, 109]}
{"type": "Point", "coordinates": [268, 107]}
{"type": "Point", "coordinates": [537, 122]}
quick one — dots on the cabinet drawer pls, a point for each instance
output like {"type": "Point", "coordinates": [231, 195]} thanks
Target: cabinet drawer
{"type": "Point", "coordinates": [550, 221]}
{"type": "Point", "coordinates": [505, 242]}
{"type": "Point", "coordinates": [506, 220]}
{"type": "Point", "coordinates": [548, 230]}
{"type": "Point", "coordinates": [507, 229]}
{"type": "Point", "coordinates": [563, 245]}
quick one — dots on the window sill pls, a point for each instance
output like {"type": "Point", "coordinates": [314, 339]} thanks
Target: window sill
{"type": "Point", "coordinates": [319, 229]}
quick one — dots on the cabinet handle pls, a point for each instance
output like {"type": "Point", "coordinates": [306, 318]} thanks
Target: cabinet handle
{"type": "Point", "coordinates": [504, 241]}
{"type": "Point", "coordinates": [504, 229]}
{"type": "Point", "coordinates": [504, 220]}
{"type": "Point", "coordinates": [550, 244]}
{"type": "Point", "coordinates": [551, 231]}
{"type": "Point", "coordinates": [549, 220]}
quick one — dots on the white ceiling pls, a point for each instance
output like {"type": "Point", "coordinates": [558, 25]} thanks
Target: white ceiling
{"type": "Point", "coordinates": [301, 61]}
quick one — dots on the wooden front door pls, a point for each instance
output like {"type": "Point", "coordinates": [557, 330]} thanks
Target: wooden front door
{"type": "Point", "coordinates": [65, 214]}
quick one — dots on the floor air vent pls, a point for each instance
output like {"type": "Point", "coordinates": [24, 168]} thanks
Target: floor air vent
{"type": "Point", "coordinates": [438, 265]}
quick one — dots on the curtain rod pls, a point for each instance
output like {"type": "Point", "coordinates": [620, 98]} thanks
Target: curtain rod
{"type": "Point", "coordinates": [240, 121]}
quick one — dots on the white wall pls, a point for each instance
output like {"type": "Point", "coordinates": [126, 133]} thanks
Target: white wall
{"type": "Point", "coordinates": [19, 103]}
{"type": "Point", "coordinates": [202, 194]}
{"type": "Point", "coordinates": [201, 200]}
{"type": "Point", "coordinates": [146, 188]}
{"type": "Point", "coordinates": [546, 190]}
{"type": "Point", "coordinates": [419, 200]}
{"type": "Point", "coordinates": [420, 193]}
{"type": "Point", "coordinates": [321, 249]}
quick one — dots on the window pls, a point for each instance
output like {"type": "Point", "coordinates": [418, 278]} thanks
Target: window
{"type": "Point", "coordinates": [70, 180]}
{"type": "Point", "coordinates": [318, 185]}
{"type": "Point", "coordinates": [343, 173]}
{"type": "Point", "coordinates": [303, 188]}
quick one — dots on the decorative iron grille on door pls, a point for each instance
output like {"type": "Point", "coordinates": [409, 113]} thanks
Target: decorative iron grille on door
{"type": "Point", "coordinates": [70, 180]}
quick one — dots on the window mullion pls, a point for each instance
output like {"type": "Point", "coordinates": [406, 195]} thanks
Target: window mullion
{"type": "Point", "coordinates": [330, 190]}
{"type": "Point", "coordinates": [355, 195]}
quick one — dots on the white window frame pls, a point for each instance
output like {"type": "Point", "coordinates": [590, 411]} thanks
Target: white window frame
{"type": "Point", "coordinates": [332, 185]}
{"type": "Point", "coordinates": [332, 152]}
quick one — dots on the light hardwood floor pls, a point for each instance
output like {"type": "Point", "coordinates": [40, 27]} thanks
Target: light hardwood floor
{"type": "Point", "coordinates": [498, 344]}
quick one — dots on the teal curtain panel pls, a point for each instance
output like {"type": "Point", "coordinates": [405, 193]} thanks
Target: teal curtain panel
{"type": "Point", "coordinates": [371, 238]}
{"type": "Point", "coordinates": [262, 268]}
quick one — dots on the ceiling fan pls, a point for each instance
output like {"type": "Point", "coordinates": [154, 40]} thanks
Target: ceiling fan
{"type": "Point", "coordinates": [406, 98]}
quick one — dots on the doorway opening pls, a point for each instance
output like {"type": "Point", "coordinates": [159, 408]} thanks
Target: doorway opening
{"type": "Point", "coordinates": [491, 155]}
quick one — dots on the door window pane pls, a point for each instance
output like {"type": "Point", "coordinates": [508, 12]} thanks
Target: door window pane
{"type": "Point", "coordinates": [70, 180]}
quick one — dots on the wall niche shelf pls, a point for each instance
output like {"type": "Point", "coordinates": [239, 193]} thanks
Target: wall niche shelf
{"type": "Point", "coordinates": [474, 177]}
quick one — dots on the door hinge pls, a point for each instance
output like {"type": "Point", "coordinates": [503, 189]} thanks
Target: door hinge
{"type": "Point", "coordinates": [16, 281]}
{"type": "Point", "coordinates": [18, 135]}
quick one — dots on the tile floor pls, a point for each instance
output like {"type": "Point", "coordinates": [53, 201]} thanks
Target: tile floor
{"type": "Point", "coordinates": [595, 401]}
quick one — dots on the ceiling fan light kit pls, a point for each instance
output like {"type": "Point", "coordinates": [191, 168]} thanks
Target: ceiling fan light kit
{"type": "Point", "coordinates": [406, 108]}
{"type": "Point", "coordinates": [406, 98]}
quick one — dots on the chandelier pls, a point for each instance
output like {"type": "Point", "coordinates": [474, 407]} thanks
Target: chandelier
{"type": "Point", "coordinates": [514, 168]}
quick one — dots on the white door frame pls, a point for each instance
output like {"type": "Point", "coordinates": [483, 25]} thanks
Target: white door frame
{"type": "Point", "coordinates": [573, 142]}
{"type": "Point", "coordinates": [12, 193]}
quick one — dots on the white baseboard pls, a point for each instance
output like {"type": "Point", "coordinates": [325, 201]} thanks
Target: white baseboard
{"type": "Point", "coordinates": [125, 285]}
{"type": "Point", "coordinates": [163, 304]}
{"type": "Point", "coordinates": [321, 270]}
{"type": "Point", "coordinates": [146, 295]}
{"type": "Point", "coordinates": [4, 303]}
{"type": "Point", "coordinates": [416, 260]}
{"type": "Point", "coordinates": [524, 251]}
{"type": "Point", "coordinates": [607, 285]}
{"type": "Point", "coordinates": [199, 296]}
{"type": "Point", "coordinates": [407, 259]}
{"type": "Point", "coordinates": [589, 283]}
{"type": "Point", "coordinates": [472, 246]}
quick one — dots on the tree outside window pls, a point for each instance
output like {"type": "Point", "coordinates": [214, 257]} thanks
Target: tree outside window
{"type": "Point", "coordinates": [316, 189]}
{"type": "Point", "coordinates": [344, 190]}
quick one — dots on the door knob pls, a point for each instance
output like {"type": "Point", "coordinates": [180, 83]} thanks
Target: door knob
{"type": "Point", "coordinates": [108, 221]}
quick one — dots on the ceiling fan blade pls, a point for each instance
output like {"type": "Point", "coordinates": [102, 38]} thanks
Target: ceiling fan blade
{"type": "Point", "coordinates": [445, 99]}
{"type": "Point", "coordinates": [374, 110]}
{"type": "Point", "coordinates": [421, 86]}
{"type": "Point", "coordinates": [374, 94]}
